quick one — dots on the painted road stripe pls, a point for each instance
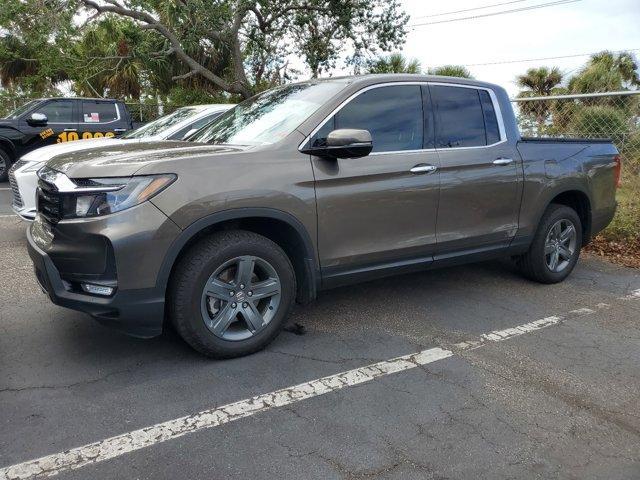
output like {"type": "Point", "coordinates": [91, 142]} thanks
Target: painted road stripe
{"type": "Point", "coordinates": [146, 437]}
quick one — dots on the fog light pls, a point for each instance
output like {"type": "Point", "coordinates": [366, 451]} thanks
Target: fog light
{"type": "Point", "coordinates": [97, 289]}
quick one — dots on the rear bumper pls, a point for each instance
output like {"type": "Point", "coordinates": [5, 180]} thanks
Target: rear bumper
{"type": "Point", "coordinates": [134, 312]}
{"type": "Point", "coordinates": [601, 219]}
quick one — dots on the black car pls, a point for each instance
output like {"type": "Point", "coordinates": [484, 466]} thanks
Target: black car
{"type": "Point", "coordinates": [53, 120]}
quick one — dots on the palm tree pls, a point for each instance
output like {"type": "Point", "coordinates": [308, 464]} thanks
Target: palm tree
{"type": "Point", "coordinates": [451, 71]}
{"type": "Point", "coordinates": [538, 82]}
{"type": "Point", "coordinates": [606, 72]}
{"type": "Point", "coordinates": [395, 63]}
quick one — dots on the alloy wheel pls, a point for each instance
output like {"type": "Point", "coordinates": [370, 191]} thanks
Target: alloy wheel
{"type": "Point", "coordinates": [240, 298]}
{"type": "Point", "coordinates": [560, 245]}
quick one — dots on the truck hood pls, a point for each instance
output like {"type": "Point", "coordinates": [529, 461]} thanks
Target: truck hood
{"type": "Point", "coordinates": [126, 158]}
{"type": "Point", "coordinates": [47, 153]}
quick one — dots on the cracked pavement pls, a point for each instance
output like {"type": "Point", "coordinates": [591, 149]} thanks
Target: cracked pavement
{"type": "Point", "coordinates": [561, 402]}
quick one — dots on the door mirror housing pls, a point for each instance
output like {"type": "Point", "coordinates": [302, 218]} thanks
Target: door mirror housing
{"type": "Point", "coordinates": [343, 143]}
{"type": "Point", "coordinates": [37, 119]}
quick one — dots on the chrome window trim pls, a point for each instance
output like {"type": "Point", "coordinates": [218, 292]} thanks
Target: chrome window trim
{"type": "Point", "coordinates": [492, 95]}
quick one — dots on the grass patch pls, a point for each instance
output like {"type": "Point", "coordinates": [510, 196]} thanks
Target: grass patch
{"type": "Point", "coordinates": [620, 241]}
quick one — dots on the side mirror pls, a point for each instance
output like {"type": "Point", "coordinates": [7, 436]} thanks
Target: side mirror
{"type": "Point", "coordinates": [343, 143]}
{"type": "Point", "coordinates": [37, 120]}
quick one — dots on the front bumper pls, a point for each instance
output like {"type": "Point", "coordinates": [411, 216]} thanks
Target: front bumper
{"type": "Point", "coordinates": [124, 250]}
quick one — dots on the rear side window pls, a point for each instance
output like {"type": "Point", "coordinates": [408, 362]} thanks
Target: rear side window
{"type": "Point", "coordinates": [393, 116]}
{"type": "Point", "coordinates": [98, 112]}
{"type": "Point", "coordinates": [490, 119]}
{"type": "Point", "coordinates": [460, 121]}
{"type": "Point", "coordinates": [57, 111]}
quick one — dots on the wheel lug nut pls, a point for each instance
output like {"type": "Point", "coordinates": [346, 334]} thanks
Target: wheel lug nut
{"type": "Point", "coordinates": [245, 305]}
{"type": "Point", "coordinates": [242, 286]}
{"type": "Point", "coordinates": [232, 293]}
{"type": "Point", "coordinates": [250, 293]}
{"type": "Point", "coordinates": [234, 305]}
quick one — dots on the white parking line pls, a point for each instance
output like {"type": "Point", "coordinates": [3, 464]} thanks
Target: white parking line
{"type": "Point", "coordinates": [7, 216]}
{"type": "Point", "coordinates": [4, 188]}
{"type": "Point", "coordinates": [146, 437]}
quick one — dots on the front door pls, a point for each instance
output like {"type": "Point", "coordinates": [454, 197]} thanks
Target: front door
{"type": "Point", "coordinates": [61, 120]}
{"type": "Point", "coordinates": [380, 209]}
{"type": "Point", "coordinates": [479, 171]}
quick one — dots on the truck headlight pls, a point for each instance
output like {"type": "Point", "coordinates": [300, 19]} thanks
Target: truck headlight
{"type": "Point", "coordinates": [102, 196]}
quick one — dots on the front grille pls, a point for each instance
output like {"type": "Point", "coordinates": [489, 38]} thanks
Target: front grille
{"type": "Point", "coordinates": [49, 202]}
{"type": "Point", "coordinates": [17, 198]}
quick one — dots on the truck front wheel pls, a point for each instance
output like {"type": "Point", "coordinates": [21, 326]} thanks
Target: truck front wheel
{"type": "Point", "coordinates": [5, 164]}
{"type": "Point", "coordinates": [231, 293]}
{"type": "Point", "coordinates": [556, 246]}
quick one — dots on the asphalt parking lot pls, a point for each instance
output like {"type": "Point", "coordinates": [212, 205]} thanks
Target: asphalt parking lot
{"type": "Point", "coordinates": [557, 397]}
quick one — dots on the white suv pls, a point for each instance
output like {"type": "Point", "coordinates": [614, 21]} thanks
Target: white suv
{"type": "Point", "coordinates": [175, 126]}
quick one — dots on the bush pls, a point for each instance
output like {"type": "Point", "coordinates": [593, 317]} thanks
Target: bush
{"type": "Point", "coordinates": [599, 121]}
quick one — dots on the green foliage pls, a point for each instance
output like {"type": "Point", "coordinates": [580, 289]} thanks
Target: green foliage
{"type": "Point", "coordinates": [598, 121]}
{"type": "Point", "coordinates": [451, 71]}
{"type": "Point", "coordinates": [394, 63]}
{"type": "Point", "coordinates": [625, 226]}
{"type": "Point", "coordinates": [536, 82]}
{"type": "Point", "coordinates": [606, 72]}
{"type": "Point", "coordinates": [134, 47]}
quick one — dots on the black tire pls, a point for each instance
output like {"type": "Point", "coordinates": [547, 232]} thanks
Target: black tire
{"type": "Point", "coordinates": [5, 164]}
{"type": "Point", "coordinates": [193, 272]}
{"type": "Point", "coordinates": [534, 264]}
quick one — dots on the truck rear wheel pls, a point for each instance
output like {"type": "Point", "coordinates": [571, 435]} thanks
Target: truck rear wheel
{"type": "Point", "coordinates": [5, 164]}
{"type": "Point", "coordinates": [556, 246]}
{"type": "Point", "coordinates": [231, 293]}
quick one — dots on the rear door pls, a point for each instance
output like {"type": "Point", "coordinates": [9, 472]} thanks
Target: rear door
{"type": "Point", "coordinates": [101, 118]}
{"type": "Point", "coordinates": [479, 194]}
{"type": "Point", "coordinates": [374, 211]}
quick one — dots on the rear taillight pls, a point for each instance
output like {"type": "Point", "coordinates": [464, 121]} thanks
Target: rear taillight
{"type": "Point", "coordinates": [617, 170]}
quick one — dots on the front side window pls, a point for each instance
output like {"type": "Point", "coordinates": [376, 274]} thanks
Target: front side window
{"type": "Point", "coordinates": [57, 111]}
{"type": "Point", "coordinates": [98, 112]}
{"type": "Point", "coordinates": [392, 115]}
{"type": "Point", "coordinates": [270, 116]}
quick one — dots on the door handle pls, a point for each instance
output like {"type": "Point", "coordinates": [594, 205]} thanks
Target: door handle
{"type": "Point", "coordinates": [70, 129]}
{"type": "Point", "coordinates": [422, 168]}
{"type": "Point", "coordinates": [503, 161]}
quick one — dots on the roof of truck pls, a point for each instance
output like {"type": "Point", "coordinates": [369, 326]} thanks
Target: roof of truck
{"type": "Point", "coordinates": [372, 78]}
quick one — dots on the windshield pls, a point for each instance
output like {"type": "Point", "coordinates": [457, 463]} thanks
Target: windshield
{"type": "Point", "coordinates": [163, 123]}
{"type": "Point", "coordinates": [268, 117]}
{"type": "Point", "coordinates": [24, 108]}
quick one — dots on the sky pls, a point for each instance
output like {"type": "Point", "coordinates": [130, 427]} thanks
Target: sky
{"type": "Point", "coordinates": [578, 27]}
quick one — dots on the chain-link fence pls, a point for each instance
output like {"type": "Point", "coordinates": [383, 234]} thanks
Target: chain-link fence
{"type": "Point", "coordinates": [614, 115]}
{"type": "Point", "coordinates": [147, 112]}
